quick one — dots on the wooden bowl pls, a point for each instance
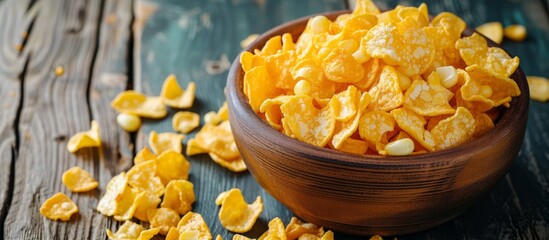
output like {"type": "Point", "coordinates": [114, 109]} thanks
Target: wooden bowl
{"type": "Point", "coordinates": [367, 194]}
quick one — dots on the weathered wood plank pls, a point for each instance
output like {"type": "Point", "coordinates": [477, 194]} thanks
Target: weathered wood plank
{"type": "Point", "coordinates": [56, 107]}
{"type": "Point", "coordinates": [517, 207]}
{"type": "Point", "coordinates": [13, 22]}
{"type": "Point", "coordinates": [187, 38]}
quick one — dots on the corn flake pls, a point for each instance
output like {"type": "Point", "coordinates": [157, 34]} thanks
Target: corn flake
{"type": "Point", "coordinates": [58, 207]}
{"type": "Point", "coordinates": [162, 142]}
{"type": "Point", "coordinates": [107, 204]}
{"type": "Point", "coordinates": [144, 155]}
{"type": "Point", "coordinates": [142, 176]}
{"type": "Point", "coordinates": [219, 140]}
{"type": "Point", "coordinates": [310, 71]}
{"type": "Point", "coordinates": [236, 215]}
{"type": "Point", "coordinates": [492, 30]}
{"type": "Point", "coordinates": [144, 202]}
{"type": "Point", "coordinates": [185, 122]}
{"type": "Point", "coordinates": [500, 90]}
{"type": "Point", "coordinates": [128, 230]}
{"type": "Point", "coordinates": [297, 228]}
{"type": "Point", "coordinates": [172, 165]}
{"type": "Point", "coordinates": [78, 180]}
{"type": "Point", "coordinates": [194, 222]}
{"type": "Point", "coordinates": [174, 96]}
{"type": "Point", "coordinates": [307, 123]}
{"type": "Point", "coordinates": [374, 126]}
{"type": "Point", "coordinates": [428, 99]}
{"type": "Point", "coordinates": [418, 53]}
{"type": "Point", "coordinates": [163, 218]}
{"type": "Point", "coordinates": [126, 203]}
{"type": "Point", "coordinates": [413, 124]}
{"type": "Point", "coordinates": [85, 139]}
{"type": "Point", "coordinates": [340, 66]}
{"type": "Point", "coordinates": [386, 94]}
{"type": "Point", "coordinates": [539, 88]}
{"type": "Point", "coordinates": [483, 124]}
{"type": "Point", "coordinates": [179, 196]}
{"type": "Point", "coordinates": [194, 148]}
{"type": "Point", "coordinates": [345, 129]}
{"type": "Point", "coordinates": [276, 230]}
{"type": "Point", "coordinates": [235, 165]}
{"type": "Point", "coordinates": [132, 102]}
{"type": "Point", "coordinates": [259, 86]}
{"type": "Point", "coordinates": [454, 130]}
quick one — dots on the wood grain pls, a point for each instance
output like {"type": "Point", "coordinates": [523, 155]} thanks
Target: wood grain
{"type": "Point", "coordinates": [189, 38]}
{"type": "Point", "coordinates": [68, 34]}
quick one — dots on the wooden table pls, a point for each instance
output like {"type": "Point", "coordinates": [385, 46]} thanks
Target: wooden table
{"type": "Point", "coordinates": [107, 46]}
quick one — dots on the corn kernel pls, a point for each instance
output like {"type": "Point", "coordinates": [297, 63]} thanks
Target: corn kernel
{"type": "Point", "coordinates": [515, 32]}
{"type": "Point", "coordinates": [320, 24]}
{"type": "Point", "coordinates": [128, 122]}
{"type": "Point", "coordinates": [449, 76]}
{"type": "Point", "coordinates": [486, 91]}
{"type": "Point", "coordinates": [302, 87]}
{"type": "Point", "coordinates": [401, 147]}
{"type": "Point", "coordinates": [360, 56]}
{"type": "Point", "coordinates": [59, 71]}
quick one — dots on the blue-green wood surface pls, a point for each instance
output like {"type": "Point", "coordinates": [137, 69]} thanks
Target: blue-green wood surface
{"type": "Point", "coordinates": [107, 46]}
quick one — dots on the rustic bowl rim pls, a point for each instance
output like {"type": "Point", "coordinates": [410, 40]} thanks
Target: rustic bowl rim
{"type": "Point", "coordinates": [517, 111]}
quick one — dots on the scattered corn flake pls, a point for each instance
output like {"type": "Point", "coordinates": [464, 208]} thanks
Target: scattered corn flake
{"type": "Point", "coordinates": [515, 32]}
{"type": "Point", "coordinates": [307, 123]}
{"type": "Point", "coordinates": [144, 202]}
{"type": "Point", "coordinates": [413, 124]}
{"type": "Point", "coordinates": [132, 102]}
{"type": "Point", "coordinates": [235, 165]}
{"type": "Point", "coordinates": [386, 94]}
{"type": "Point", "coordinates": [185, 122]}
{"type": "Point", "coordinates": [219, 140]}
{"type": "Point", "coordinates": [240, 237]}
{"type": "Point", "coordinates": [126, 203]}
{"type": "Point", "coordinates": [162, 142]}
{"type": "Point", "coordinates": [128, 230]}
{"type": "Point", "coordinates": [174, 96]}
{"type": "Point", "coordinates": [194, 148]}
{"type": "Point", "coordinates": [454, 130]}
{"type": "Point", "coordinates": [142, 176]}
{"type": "Point", "coordinates": [192, 221]}
{"type": "Point", "coordinates": [172, 165]}
{"type": "Point", "coordinates": [58, 207]}
{"type": "Point", "coordinates": [163, 218]}
{"type": "Point", "coordinates": [115, 187]}
{"type": "Point", "coordinates": [492, 30]}
{"type": "Point", "coordinates": [148, 234]}
{"type": "Point", "coordinates": [179, 196]}
{"type": "Point", "coordinates": [223, 111]}
{"type": "Point", "coordinates": [539, 88]}
{"type": "Point", "coordinates": [296, 228]}
{"type": "Point", "coordinates": [77, 179]}
{"type": "Point", "coordinates": [236, 215]}
{"type": "Point", "coordinates": [85, 139]}
{"type": "Point", "coordinates": [248, 40]}
{"type": "Point", "coordinates": [144, 155]}
{"type": "Point", "coordinates": [276, 230]}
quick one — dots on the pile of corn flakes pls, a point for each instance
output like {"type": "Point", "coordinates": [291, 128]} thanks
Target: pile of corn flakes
{"type": "Point", "coordinates": [391, 83]}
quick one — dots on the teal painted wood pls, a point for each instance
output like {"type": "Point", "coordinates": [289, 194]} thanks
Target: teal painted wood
{"type": "Point", "coordinates": [197, 41]}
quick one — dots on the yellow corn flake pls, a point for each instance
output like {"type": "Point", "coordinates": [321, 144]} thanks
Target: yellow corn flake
{"type": "Point", "coordinates": [128, 230]}
{"type": "Point", "coordinates": [223, 112]}
{"type": "Point", "coordinates": [386, 94]}
{"type": "Point", "coordinates": [307, 123]}
{"type": "Point", "coordinates": [356, 146]}
{"type": "Point", "coordinates": [142, 176]}
{"type": "Point", "coordinates": [492, 30]}
{"type": "Point", "coordinates": [144, 202]}
{"type": "Point", "coordinates": [144, 155]}
{"type": "Point", "coordinates": [126, 203]}
{"type": "Point", "coordinates": [413, 124]}
{"type": "Point", "coordinates": [372, 68]}
{"type": "Point", "coordinates": [163, 218]}
{"type": "Point", "coordinates": [382, 42]}
{"type": "Point", "coordinates": [173, 234]}
{"type": "Point", "coordinates": [276, 230]}
{"type": "Point", "coordinates": [107, 204]}
{"type": "Point", "coordinates": [172, 165]}
{"type": "Point", "coordinates": [236, 215]}
{"type": "Point", "coordinates": [271, 109]}
{"type": "Point", "coordinates": [194, 148]}
{"type": "Point", "coordinates": [340, 66]}
{"type": "Point", "coordinates": [419, 52]}
{"type": "Point", "coordinates": [374, 126]}
{"type": "Point", "coordinates": [344, 104]}
{"type": "Point", "coordinates": [78, 180]}
{"type": "Point", "coordinates": [297, 228]}
{"type": "Point", "coordinates": [58, 207]}
{"type": "Point", "coordinates": [162, 142]}
{"type": "Point", "coordinates": [179, 196]}
{"type": "Point", "coordinates": [454, 130]}
{"type": "Point", "coordinates": [364, 7]}
{"type": "Point", "coordinates": [310, 71]}
{"type": "Point", "coordinates": [194, 222]}
{"type": "Point", "coordinates": [483, 124]}
{"type": "Point", "coordinates": [428, 99]}
{"type": "Point", "coordinates": [515, 32]}
{"type": "Point", "coordinates": [85, 139]}
{"type": "Point", "coordinates": [484, 87]}
{"type": "Point", "coordinates": [235, 165]}
{"type": "Point", "coordinates": [494, 61]}
{"type": "Point", "coordinates": [278, 67]}
{"type": "Point", "coordinates": [185, 122]}
{"type": "Point", "coordinates": [240, 237]}
{"type": "Point", "coordinates": [345, 129]}
{"type": "Point", "coordinates": [539, 88]}
{"type": "Point", "coordinates": [219, 140]}
{"type": "Point", "coordinates": [132, 102]}
{"type": "Point", "coordinates": [174, 96]}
